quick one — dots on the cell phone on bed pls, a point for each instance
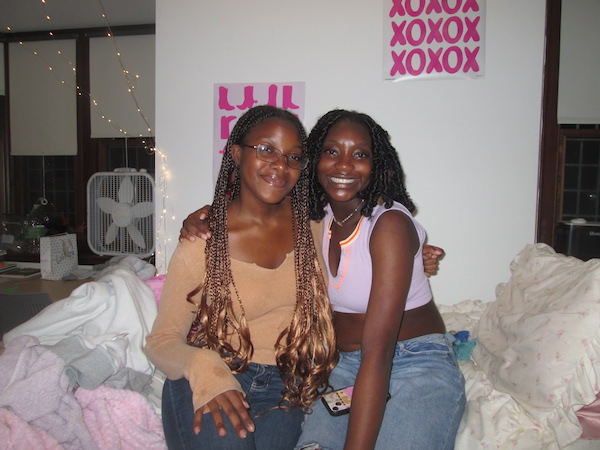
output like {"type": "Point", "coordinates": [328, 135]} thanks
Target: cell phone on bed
{"type": "Point", "coordinates": [338, 402]}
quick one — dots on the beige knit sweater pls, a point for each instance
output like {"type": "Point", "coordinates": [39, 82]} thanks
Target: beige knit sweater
{"type": "Point", "coordinates": [268, 297]}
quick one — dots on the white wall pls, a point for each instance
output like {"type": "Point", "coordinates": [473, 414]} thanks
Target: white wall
{"type": "Point", "coordinates": [469, 147]}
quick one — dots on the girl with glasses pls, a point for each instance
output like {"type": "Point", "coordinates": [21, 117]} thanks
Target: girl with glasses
{"type": "Point", "coordinates": [244, 329]}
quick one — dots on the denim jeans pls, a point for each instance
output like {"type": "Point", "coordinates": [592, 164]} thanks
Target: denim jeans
{"type": "Point", "coordinates": [426, 405]}
{"type": "Point", "coordinates": [275, 428]}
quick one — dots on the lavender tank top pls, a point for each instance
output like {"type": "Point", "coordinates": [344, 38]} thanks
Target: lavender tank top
{"type": "Point", "coordinates": [349, 291]}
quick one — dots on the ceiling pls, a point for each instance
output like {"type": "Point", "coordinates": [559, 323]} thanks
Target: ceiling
{"type": "Point", "coordinates": [30, 15]}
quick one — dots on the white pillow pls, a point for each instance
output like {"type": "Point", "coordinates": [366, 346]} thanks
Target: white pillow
{"type": "Point", "coordinates": [463, 316]}
{"type": "Point", "coordinates": [540, 340]}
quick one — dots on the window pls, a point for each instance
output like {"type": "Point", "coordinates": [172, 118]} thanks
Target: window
{"type": "Point", "coordinates": [62, 180]}
{"type": "Point", "coordinates": [580, 145]}
{"type": "Point", "coordinates": [553, 194]}
{"type": "Point", "coordinates": [53, 178]}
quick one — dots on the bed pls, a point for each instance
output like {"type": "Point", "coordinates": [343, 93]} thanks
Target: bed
{"type": "Point", "coordinates": [532, 379]}
{"type": "Point", "coordinates": [532, 370]}
{"type": "Point", "coordinates": [75, 376]}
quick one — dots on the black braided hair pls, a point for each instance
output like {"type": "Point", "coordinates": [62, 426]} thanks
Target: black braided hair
{"type": "Point", "coordinates": [387, 177]}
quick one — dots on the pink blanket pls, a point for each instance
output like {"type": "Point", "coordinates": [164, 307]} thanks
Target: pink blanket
{"type": "Point", "coordinates": [16, 434]}
{"type": "Point", "coordinates": [38, 410]}
{"type": "Point", "coordinates": [120, 419]}
{"type": "Point", "coordinates": [589, 418]}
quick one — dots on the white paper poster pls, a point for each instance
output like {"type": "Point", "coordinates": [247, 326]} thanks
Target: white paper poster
{"type": "Point", "coordinates": [234, 99]}
{"type": "Point", "coordinates": [433, 39]}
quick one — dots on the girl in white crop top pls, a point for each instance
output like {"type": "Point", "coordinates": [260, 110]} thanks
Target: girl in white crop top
{"type": "Point", "coordinates": [348, 290]}
{"type": "Point", "coordinates": [389, 333]}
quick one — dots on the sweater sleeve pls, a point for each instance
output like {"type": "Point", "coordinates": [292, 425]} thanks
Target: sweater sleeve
{"type": "Point", "coordinates": [166, 345]}
{"type": "Point", "coordinates": [317, 228]}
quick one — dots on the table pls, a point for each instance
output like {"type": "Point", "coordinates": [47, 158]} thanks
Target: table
{"type": "Point", "coordinates": [57, 290]}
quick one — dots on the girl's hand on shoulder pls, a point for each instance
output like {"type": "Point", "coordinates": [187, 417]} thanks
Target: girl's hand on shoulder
{"type": "Point", "coordinates": [431, 259]}
{"type": "Point", "coordinates": [234, 405]}
{"type": "Point", "coordinates": [196, 225]}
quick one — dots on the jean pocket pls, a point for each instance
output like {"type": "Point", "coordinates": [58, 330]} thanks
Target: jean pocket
{"type": "Point", "coordinates": [426, 348]}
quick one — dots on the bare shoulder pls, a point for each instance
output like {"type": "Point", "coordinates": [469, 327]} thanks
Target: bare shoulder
{"type": "Point", "coordinates": [393, 220]}
{"type": "Point", "coordinates": [393, 231]}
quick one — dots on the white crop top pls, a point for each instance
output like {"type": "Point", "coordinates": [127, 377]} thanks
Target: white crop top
{"type": "Point", "coordinates": [349, 291]}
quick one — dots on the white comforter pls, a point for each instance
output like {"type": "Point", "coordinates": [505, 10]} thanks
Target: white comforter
{"type": "Point", "coordinates": [114, 314]}
{"type": "Point", "coordinates": [537, 360]}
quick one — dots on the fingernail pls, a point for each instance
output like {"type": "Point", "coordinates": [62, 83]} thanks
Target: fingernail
{"type": "Point", "coordinates": [243, 434]}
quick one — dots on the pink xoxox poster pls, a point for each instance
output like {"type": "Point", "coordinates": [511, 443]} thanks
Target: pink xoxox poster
{"type": "Point", "coordinates": [433, 39]}
{"type": "Point", "coordinates": [234, 99]}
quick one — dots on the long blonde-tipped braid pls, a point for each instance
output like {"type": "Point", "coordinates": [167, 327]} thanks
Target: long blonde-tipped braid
{"type": "Point", "coordinates": [306, 349]}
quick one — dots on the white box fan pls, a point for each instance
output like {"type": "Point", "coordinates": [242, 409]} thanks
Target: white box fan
{"type": "Point", "coordinates": [120, 219]}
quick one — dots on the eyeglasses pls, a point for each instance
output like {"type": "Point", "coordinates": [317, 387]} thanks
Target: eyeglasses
{"type": "Point", "coordinates": [271, 155]}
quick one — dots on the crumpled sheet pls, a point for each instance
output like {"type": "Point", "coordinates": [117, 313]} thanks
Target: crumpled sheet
{"type": "Point", "coordinates": [537, 361]}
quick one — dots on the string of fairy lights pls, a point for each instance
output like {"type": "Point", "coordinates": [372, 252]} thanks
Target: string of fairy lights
{"type": "Point", "coordinates": [162, 172]}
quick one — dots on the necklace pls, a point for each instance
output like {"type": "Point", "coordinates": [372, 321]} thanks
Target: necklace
{"type": "Point", "coordinates": [340, 223]}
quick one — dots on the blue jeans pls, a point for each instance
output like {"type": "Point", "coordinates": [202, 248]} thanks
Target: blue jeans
{"type": "Point", "coordinates": [426, 405]}
{"type": "Point", "coordinates": [275, 428]}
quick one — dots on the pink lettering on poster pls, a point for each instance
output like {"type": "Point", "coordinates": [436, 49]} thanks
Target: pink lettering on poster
{"type": "Point", "coordinates": [433, 39]}
{"type": "Point", "coordinates": [234, 99]}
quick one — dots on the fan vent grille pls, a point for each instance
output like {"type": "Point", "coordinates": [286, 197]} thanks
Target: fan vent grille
{"type": "Point", "coordinates": [121, 214]}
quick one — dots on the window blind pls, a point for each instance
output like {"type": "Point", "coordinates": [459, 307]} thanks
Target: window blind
{"type": "Point", "coordinates": [43, 98]}
{"type": "Point", "coordinates": [578, 87]}
{"type": "Point", "coordinates": [118, 112]}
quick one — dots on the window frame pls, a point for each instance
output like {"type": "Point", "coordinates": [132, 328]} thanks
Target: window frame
{"type": "Point", "coordinates": [549, 160]}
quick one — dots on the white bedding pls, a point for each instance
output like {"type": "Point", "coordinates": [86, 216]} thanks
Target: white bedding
{"type": "Point", "coordinates": [537, 360]}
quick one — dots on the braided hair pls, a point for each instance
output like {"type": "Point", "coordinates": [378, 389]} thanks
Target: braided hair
{"type": "Point", "coordinates": [305, 350]}
{"type": "Point", "coordinates": [387, 176]}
